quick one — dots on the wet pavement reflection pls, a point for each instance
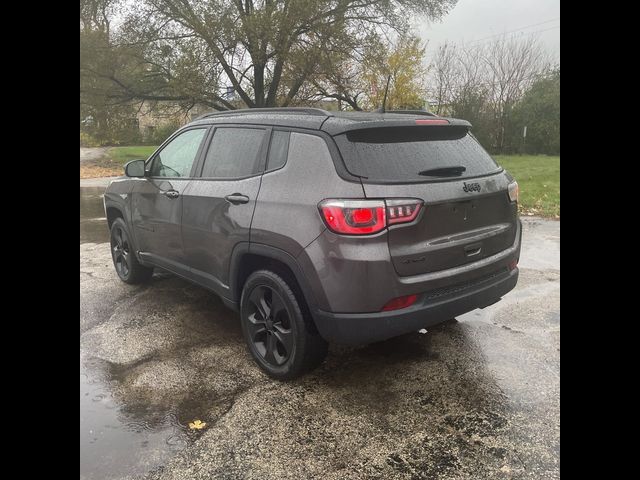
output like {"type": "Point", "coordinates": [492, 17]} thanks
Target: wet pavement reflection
{"type": "Point", "coordinates": [116, 440]}
{"type": "Point", "coordinates": [93, 224]}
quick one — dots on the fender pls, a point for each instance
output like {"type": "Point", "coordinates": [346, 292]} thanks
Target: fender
{"type": "Point", "coordinates": [245, 248]}
{"type": "Point", "coordinates": [118, 196]}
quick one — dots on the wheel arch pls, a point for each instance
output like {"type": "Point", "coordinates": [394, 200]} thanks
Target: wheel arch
{"type": "Point", "coordinates": [113, 212]}
{"type": "Point", "coordinates": [248, 258]}
{"type": "Point", "coordinates": [116, 209]}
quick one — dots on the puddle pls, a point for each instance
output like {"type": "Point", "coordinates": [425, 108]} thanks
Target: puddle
{"type": "Point", "coordinates": [117, 440]}
{"type": "Point", "coordinates": [93, 224]}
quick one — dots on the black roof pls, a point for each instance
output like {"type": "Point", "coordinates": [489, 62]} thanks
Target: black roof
{"type": "Point", "coordinates": [332, 122]}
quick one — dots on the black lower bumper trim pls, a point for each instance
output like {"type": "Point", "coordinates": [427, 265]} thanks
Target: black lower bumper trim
{"type": "Point", "coordinates": [362, 328]}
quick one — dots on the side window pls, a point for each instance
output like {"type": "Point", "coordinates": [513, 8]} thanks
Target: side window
{"type": "Point", "coordinates": [278, 150]}
{"type": "Point", "coordinates": [177, 157]}
{"type": "Point", "coordinates": [234, 152]}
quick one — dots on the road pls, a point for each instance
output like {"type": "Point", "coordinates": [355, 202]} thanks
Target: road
{"type": "Point", "coordinates": [474, 399]}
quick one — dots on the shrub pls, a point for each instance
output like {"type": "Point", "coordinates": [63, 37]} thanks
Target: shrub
{"type": "Point", "coordinates": [87, 140]}
{"type": "Point", "coordinates": [161, 133]}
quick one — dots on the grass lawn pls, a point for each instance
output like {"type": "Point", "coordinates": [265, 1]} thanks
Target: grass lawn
{"type": "Point", "coordinates": [539, 180]}
{"type": "Point", "coordinates": [122, 155]}
{"type": "Point", "coordinates": [111, 163]}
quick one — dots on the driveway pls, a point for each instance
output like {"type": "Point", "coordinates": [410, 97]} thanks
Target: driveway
{"type": "Point", "coordinates": [477, 398]}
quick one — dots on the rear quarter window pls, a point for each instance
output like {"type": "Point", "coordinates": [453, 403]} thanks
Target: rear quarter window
{"type": "Point", "coordinates": [399, 154]}
{"type": "Point", "coordinates": [278, 150]}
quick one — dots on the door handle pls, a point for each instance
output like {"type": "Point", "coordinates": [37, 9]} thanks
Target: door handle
{"type": "Point", "coordinates": [237, 198]}
{"type": "Point", "coordinates": [172, 193]}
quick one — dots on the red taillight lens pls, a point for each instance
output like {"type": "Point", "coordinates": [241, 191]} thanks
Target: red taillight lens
{"type": "Point", "coordinates": [403, 210]}
{"type": "Point", "coordinates": [363, 217]}
{"type": "Point", "coordinates": [354, 217]}
{"type": "Point", "coordinates": [400, 302]}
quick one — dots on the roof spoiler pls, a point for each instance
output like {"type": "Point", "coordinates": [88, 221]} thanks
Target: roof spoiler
{"type": "Point", "coordinates": [435, 122]}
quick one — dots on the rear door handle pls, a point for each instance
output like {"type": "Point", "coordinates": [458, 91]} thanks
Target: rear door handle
{"type": "Point", "coordinates": [172, 193]}
{"type": "Point", "coordinates": [237, 198]}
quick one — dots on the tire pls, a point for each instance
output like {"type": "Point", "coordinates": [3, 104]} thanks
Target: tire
{"type": "Point", "coordinates": [280, 334]}
{"type": "Point", "coordinates": [124, 258]}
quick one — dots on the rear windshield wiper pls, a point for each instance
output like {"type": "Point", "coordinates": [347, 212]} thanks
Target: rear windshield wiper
{"type": "Point", "coordinates": [444, 171]}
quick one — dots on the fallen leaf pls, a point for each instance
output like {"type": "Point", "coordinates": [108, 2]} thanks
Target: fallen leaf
{"type": "Point", "coordinates": [197, 425]}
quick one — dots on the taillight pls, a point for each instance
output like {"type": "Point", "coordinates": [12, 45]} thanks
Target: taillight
{"type": "Point", "coordinates": [514, 191]}
{"type": "Point", "coordinates": [354, 217]}
{"type": "Point", "coordinates": [363, 217]}
{"type": "Point", "coordinates": [402, 210]}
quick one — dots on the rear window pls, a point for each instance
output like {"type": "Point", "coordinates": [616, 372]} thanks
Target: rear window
{"type": "Point", "coordinates": [399, 154]}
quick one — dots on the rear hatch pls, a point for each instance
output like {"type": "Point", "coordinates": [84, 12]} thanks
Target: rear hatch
{"type": "Point", "coordinates": [467, 213]}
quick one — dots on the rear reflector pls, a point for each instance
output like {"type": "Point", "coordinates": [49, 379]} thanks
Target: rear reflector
{"type": "Point", "coordinates": [400, 302]}
{"type": "Point", "coordinates": [432, 121]}
{"type": "Point", "coordinates": [513, 264]}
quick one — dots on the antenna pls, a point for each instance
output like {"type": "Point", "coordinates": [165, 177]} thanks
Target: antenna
{"type": "Point", "coordinates": [384, 100]}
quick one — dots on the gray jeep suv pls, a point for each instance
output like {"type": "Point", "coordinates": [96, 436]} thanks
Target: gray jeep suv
{"type": "Point", "coordinates": [322, 226]}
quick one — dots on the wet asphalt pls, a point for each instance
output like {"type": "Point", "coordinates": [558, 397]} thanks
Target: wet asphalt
{"type": "Point", "coordinates": [476, 398]}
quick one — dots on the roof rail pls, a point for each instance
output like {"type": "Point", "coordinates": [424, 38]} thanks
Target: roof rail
{"type": "Point", "coordinates": [413, 112]}
{"type": "Point", "coordinates": [289, 110]}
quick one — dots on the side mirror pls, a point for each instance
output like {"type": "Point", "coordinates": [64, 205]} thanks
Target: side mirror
{"type": "Point", "coordinates": [134, 168]}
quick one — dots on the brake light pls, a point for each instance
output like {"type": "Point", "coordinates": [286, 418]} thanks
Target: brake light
{"type": "Point", "coordinates": [400, 302]}
{"type": "Point", "coordinates": [432, 121]}
{"type": "Point", "coordinates": [514, 191]}
{"type": "Point", "coordinates": [364, 217]}
{"type": "Point", "coordinates": [354, 217]}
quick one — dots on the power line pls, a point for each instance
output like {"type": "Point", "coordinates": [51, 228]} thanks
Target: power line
{"type": "Point", "coordinates": [519, 29]}
{"type": "Point", "coordinates": [472, 46]}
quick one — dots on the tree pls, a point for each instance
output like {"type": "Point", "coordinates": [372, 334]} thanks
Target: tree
{"type": "Point", "coordinates": [445, 73]}
{"type": "Point", "coordinates": [512, 66]}
{"type": "Point", "coordinates": [482, 83]}
{"type": "Point", "coordinates": [105, 120]}
{"type": "Point", "coordinates": [272, 52]}
{"type": "Point", "coordinates": [403, 68]}
{"type": "Point", "coordinates": [539, 111]}
{"type": "Point", "coordinates": [360, 81]}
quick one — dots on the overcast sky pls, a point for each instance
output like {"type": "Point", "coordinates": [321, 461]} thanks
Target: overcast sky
{"type": "Point", "coordinates": [471, 21]}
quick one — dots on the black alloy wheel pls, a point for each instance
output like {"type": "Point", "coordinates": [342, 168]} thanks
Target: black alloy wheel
{"type": "Point", "coordinates": [124, 258]}
{"type": "Point", "coordinates": [279, 331]}
{"type": "Point", "coordinates": [269, 326]}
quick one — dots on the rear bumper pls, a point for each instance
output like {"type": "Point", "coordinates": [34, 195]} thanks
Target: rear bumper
{"type": "Point", "coordinates": [441, 296]}
{"type": "Point", "coordinates": [430, 309]}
